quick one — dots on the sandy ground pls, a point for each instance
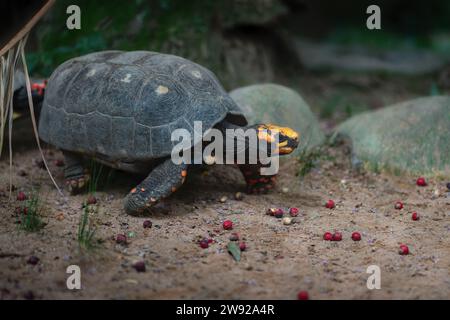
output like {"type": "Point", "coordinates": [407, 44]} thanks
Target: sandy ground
{"type": "Point", "coordinates": [280, 260]}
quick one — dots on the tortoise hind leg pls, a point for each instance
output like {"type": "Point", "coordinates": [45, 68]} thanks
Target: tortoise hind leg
{"type": "Point", "coordinates": [165, 179]}
{"type": "Point", "coordinates": [74, 172]}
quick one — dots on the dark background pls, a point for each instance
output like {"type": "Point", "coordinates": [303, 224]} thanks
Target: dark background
{"type": "Point", "coordinates": [246, 42]}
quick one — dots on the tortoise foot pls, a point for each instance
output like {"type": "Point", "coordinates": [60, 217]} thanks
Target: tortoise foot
{"type": "Point", "coordinates": [76, 185]}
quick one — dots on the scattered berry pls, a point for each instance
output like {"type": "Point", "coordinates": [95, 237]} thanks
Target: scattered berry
{"type": "Point", "coordinates": [303, 295]}
{"type": "Point", "coordinates": [448, 186]}
{"type": "Point", "coordinates": [21, 196]}
{"type": "Point", "coordinates": [356, 236]}
{"type": "Point", "coordinates": [121, 239]}
{"type": "Point", "coordinates": [204, 244]}
{"type": "Point", "coordinates": [210, 240]}
{"type": "Point", "coordinates": [242, 246]}
{"type": "Point", "coordinates": [421, 182]}
{"type": "Point", "coordinates": [227, 225]}
{"type": "Point", "coordinates": [59, 162]}
{"type": "Point", "coordinates": [147, 224]}
{"type": "Point", "coordinates": [293, 212]}
{"type": "Point", "coordinates": [139, 266]}
{"type": "Point", "coordinates": [404, 250]}
{"type": "Point", "coordinates": [33, 260]}
{"type": "Point", "coordinates": [337, 236]}
{"type": "Point", "coordinates": [279, 213]}
{"type": "Point", "coordinates": [330, 204]}
{"type": "Point", "coordinates": [91, 200]}
{"type": "Point", "coordinates": [234, 237]}
{"type": "Point", "coordinates": [398, 205]}
{"type": "Point", "coordinates": [415, 216]}
{"type": "Point", "coordinates": [271, 211]}
{"type": "Point", "coordinates": [327, 236]}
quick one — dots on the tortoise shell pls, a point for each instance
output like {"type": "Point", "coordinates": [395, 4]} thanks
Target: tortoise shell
{"type": "Point", "coordinates": [125, 105]}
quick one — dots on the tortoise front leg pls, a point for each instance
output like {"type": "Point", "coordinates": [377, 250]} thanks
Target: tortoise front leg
{"type": "Point", "coordinates": [165, 179]}
{"type": "Point", "coordinates": [74, 172]}
{"type": "Point", "coordinates": [257, 183]}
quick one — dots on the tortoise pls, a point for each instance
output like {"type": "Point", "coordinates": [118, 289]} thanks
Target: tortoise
{"type": "Point", "coordinates": [120, 108]}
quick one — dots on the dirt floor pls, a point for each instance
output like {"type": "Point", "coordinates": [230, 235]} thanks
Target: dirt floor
{"type": "Point", "coordinates": [280, 260]}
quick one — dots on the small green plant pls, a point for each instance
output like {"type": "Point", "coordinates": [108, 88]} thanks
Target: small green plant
{"type": "Point", "coordinates": [86, 231]}
{"type": "Point", "coordinates": [308, 160]}
{"type": "Point", "coordinates": [96, 173]}
{"type": "Point", "coordinates": [30, 215]}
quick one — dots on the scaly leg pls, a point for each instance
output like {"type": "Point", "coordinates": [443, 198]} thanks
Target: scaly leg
{"type": "Point", "coordinates": [74, 172]}
{"type": "Point", "coordinates": [165, 179]}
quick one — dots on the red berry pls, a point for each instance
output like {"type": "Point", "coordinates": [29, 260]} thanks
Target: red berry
{"type": "Point", "coordinates": [421, 182]}
{"type": "Point", "coordinates": [139, 266]}
{"type": "Point", "coordinates": [147, 224]}
{"type": "Point", "coordinates": [204, 244]}
{"type": "Point", "coordinates": [91, 200]}
{"type": "Point", "coordinates": [59, 163]}
{"type": "Point", "coordinates": [415, 216]}
{"type": "Point", "coordinates": [21, 196]}
{"type": "Point", "coordinates": [121, 239]}
{"type": "Point", "coordinates": [293, 212]}
{"type": "Point", "coordinates": [356, 236]}
{"type": "Point", "coordinates": [227, 225]}
{"type": "Point", "coordinates": [242, 246]}
{"type": "Point", "coordinates": [330, 204]}
{"type": "Point", "coordinates": [271, 211]}
{"type": "Point", "coordinates": [303, 295]}
{"type": "Point", "coordinates": [234, 236]}
{"type": "Point", "coordinates": [398, 205]}
{"type": "Point", "coordinates": [404, 250]}
{"type": "Point", "coordinates": [279, 213]}
{"type": "Point", "coordinates": [33, 260]}
{"type": "Point", "coordinates": [210, 240]}
{"type": "Point", "coordinates": [327, 236]}
{"type": "Point", "coordinates": [337, 236]}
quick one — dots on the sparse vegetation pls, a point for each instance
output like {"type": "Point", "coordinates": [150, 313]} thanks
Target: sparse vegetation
{"type": "Point", "coordinates": [30, 215]}
{"type": "Point", "coordinates": [86, 231]}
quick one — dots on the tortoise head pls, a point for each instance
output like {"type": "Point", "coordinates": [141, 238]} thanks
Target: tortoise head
{"type": "Point", "coordinates": [285, 138]}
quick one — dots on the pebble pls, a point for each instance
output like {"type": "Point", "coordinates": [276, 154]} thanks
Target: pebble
{"type": "Point", "coordinates": [223, 199]}
{"type": "Point", "coordinates": [238, 196]}
{"type": "Point", "coordinates": [285, 190]}
{"type": "Point", "coordinates": [287, 221]}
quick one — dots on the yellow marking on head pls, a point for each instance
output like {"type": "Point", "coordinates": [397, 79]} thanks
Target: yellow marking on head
{"type": "Point", "coordinates": [286, 131]}
{"type": "Point", "coordinates": [162, 90]}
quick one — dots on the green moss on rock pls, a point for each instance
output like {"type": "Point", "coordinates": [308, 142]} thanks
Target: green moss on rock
{"type": "Point", "coordinates": [409, 137]}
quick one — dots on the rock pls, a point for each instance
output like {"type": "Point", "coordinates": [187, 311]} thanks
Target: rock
{"type": "Point", "coordinates": [316, 56]}
{"type": "Point", "coordinates": [272, 103]}
{"type": "Point", "coordinates": [410, 137]}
